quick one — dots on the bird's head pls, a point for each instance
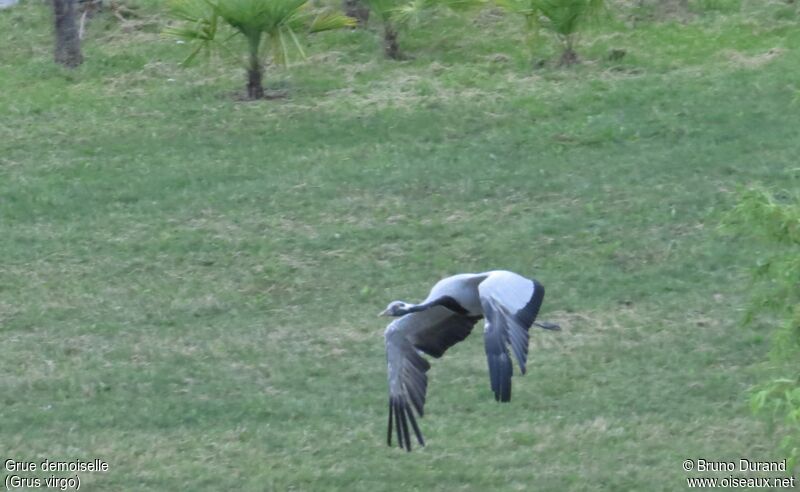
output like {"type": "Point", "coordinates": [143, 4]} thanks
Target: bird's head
{"type": "Point", "coordinates": [396, 308]}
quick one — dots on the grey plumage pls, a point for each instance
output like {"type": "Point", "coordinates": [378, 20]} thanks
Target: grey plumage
{"type": "Point", "coordinates": [508, 302]}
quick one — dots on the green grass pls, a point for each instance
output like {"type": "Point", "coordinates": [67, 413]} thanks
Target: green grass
{"type": "Point", "coordinates": [189, 282]}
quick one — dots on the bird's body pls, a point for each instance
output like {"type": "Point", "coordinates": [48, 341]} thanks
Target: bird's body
{"type": "Point", "coordinates": [509, 303]}
{"type": "Point", "coordinates": [463, 288]}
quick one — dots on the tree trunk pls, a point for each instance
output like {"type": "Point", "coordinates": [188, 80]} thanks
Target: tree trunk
{"type": "Point", "coordinates": [68, 44]}
{"type": "Point", "coordinates": [357, 10]}
{"type": "Point", "coordinates": [568, 58]}
{"type": "Point", "coordinates": [255, 90]}
{"type": "Point", "coordinates": [390, 46]}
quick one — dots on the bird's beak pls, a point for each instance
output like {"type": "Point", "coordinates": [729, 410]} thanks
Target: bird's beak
{"type": "Point", "coordinates": [385, 312]}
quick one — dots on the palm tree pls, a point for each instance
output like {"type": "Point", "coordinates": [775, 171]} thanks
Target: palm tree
{"type": "Point", "coordinates": [275, 23]}
{"type": "Point", "coordinates": [386, 10]}
{"type": "Point", "coordinates": [565, 18]}
{"type": "Point", "coordinates": [398, 13]}
{"type": "Point", "coordinates": [562, 17]}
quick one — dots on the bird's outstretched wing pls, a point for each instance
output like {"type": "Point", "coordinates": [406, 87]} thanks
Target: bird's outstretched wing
{"type": "Point", "coordinates": [432, 331]}
{"type": "Point", "coordinates": [510, 304]}
{"type": "Point", "coordinates": [407, 386]}
{"type": "Point", "coordinates": [437, 329]}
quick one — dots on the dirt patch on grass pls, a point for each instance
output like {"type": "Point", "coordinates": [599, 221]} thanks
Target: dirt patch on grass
{"type": "Point", "coordinates": [741, 60]}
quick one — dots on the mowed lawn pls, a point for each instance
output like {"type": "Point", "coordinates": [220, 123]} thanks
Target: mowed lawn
{"type": "Point", "coordinates": [189, 283]}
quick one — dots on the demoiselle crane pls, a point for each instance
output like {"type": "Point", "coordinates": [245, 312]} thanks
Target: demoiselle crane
{"type": "Point", "coordinates": [509, 303]}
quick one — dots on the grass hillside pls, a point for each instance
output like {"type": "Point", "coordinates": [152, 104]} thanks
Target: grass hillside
{"type": "Point", "coordinates": [189, 282]}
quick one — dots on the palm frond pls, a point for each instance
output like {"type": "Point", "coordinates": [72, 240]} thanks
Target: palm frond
{"type": "Point", "coordinates": [596, 7]}
{"type": "Point", "coordinates": [296, 42]}
{"type": "Point", "coordinates": [190, 10]}
{"type": "Point", "coordinates": [328, 21]}
{"type": "Point", "coordinates": [277, 44]}
{"type": "Point", "coordinates": [565, 16]}
{"type": "Point", "coordinates": [279, 22]}
{"type": "Point", "coordinates": [200, 26]}
{"type": "Point", "coordinates": [410, 12]}
{"type": "Point", "coordinates": [250, 16]}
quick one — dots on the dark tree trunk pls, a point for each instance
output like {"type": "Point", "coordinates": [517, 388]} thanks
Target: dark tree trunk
{"type": "Point", "coordinates": [390, 46]}
{"type": "Point", "coordinates": [68, 44]}
{"type": "Point", "coordinates": [357, 10]}
{"type": "Point", "coordinates": [255, 90]}
{"type": "Point", "coordinates": [568, 57]}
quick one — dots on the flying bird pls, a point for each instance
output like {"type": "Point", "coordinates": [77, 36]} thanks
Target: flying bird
{"type": "Point", "coordinates": [509, 302]}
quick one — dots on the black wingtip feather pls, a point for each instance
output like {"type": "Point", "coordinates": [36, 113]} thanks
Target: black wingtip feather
{"type": "Point", "coordinates": [500, 375]}
{"type": "Point", "coordinates": [415, 426]}
{"type": "Point", "coordinates": [401, 413]}
{"type": "Point", "coordinates": [506, 396]}
{"type": "Point", "coordinates": [505, 378]}
{"type": "Point", "coordinates": [494, 376]}
{"type": "Point", "coordinates": [416, 399]}
{"type": "Point", "coordinates": [397, 419]}
{"type": "Point", "coordinates": [389, 431]}
{"type": "Point", "coordinates": [401, 410]}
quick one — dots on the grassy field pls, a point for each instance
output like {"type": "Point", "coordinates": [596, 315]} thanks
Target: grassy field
{"type": "Point", "coordinates": [189, 282]}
